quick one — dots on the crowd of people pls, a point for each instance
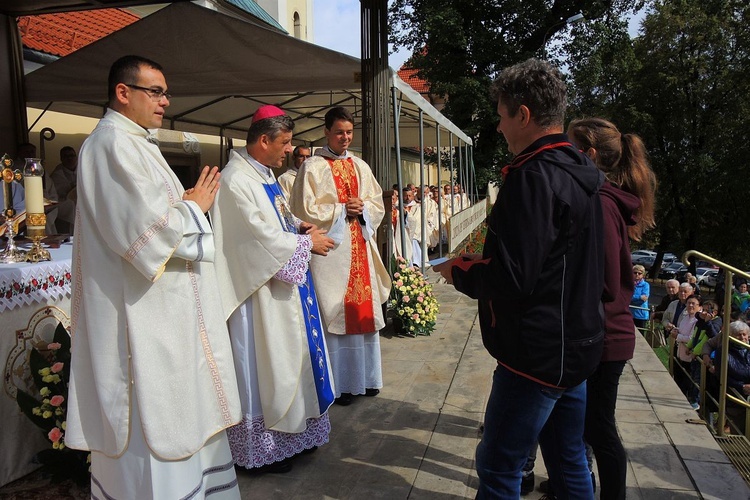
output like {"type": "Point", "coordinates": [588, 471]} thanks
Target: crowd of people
{"type": "Point", "coordinates": [198, 346]}
{"type": "Point", "coordinates": [438, 209]}
{"type": "Point", "coordinates": [695, 323]}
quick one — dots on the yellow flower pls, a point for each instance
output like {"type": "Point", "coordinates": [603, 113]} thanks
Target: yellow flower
{"type": "Point", "coordinates": [44, 391]}
{"type": "Point", "coordinates": [64, 425]}
{"type": "Point", "coordinates": [36, 411]}
{"type": "Point", "coordinates": [44, 371]}
{"type": "Point", "coordinates": [47, 414]}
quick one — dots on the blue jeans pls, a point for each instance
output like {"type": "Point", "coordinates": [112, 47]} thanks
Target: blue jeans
{"type": "Point", "coordinates": [520, 411]}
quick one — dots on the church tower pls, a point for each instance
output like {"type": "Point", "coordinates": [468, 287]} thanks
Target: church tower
{"type": "Point", "coordinates": [295, 16]}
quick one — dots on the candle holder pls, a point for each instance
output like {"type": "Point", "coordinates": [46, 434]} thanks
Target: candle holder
{"type": "Point", "coordinates": [36, 219]}
{"type": "Point", "coordinates": [11, 254]}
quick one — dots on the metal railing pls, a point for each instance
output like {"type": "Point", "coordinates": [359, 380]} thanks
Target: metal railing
{"type": "Point", "coordinates": [724, 394]}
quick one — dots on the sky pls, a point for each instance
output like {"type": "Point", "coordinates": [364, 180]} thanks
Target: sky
{"type": "Point", "coordinates": [344, 15]}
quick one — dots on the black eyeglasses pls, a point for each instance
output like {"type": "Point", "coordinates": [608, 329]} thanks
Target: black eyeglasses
{"type": "Point", "coordinates": [154, 94]}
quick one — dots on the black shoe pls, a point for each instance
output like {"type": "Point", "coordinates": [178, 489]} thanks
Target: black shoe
{"type": "Point", "coordinates": [309, 451]}
{"type": "Point", "coordinates": [546, 487]}
{"type": "Point", "coordinates": [527, 483]}
{"type": "Point", "coordinates": [593, 481]}
{"type": "Point", "coordinates": [344, 400]}
{"type": "Point", "coordinates": [372, 392]}
{"type": "Point", "coordinates": [281, 467]}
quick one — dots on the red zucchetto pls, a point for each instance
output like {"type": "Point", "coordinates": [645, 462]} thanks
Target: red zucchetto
{"type": "Point", "coordinates": [267, 111]}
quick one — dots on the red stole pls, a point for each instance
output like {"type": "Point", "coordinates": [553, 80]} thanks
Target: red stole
{"type": "Point", "coordinates": [358, 311]}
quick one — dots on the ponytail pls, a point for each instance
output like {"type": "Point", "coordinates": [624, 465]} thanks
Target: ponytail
{"type": "Point", "coordinates": [623, 159]}
{"type": "Point", "coordinates": [637, 177]}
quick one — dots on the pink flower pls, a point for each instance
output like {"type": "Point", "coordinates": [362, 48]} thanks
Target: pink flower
{"type": "Point", "coordinates": [406, 298]}
{"type": "Point", "coordinates": [54, 435]}
{"type": "Point", "coordinates": [54, 346]}
{"type": "Point", "coordinates": [56, 400]}
{"type": "Point", "coordinates": [396, 275]}
{"type": "Point", "coordinates": [57, 367]}
{"type": "Point", "coordinates": [399, 283]}
{"type": "Point", "coordinates": [420, 299]}
{"type": "Point", "coordinates": [415, 317]}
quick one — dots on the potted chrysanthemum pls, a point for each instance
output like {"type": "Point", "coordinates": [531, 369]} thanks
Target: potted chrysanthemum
{"type": "Point", "coordinates": [412, 301]}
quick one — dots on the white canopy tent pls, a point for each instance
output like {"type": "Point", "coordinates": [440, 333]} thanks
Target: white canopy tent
{"type": "Point", "coordinates": [220, 69]}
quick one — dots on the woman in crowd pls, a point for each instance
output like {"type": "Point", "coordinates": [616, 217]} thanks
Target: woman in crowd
{"type": "Point", "coordinates": [741, 297]}
{"type": "Point", "coordinates": [628, 208]}
{"type": "Point", "coordinates": [682, 334]}
{"type": "Point", "coordinates": [738, 371]}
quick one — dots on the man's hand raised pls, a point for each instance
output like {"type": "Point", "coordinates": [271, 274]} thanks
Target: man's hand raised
{"type": "Point", "coordinates": [205, 189]}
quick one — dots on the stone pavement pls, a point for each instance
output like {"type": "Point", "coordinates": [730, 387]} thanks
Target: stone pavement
{"type": "Point", "coordinates": [416, 440]}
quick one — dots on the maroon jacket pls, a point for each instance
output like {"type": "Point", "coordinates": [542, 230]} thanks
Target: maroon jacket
{"type": "Point", "coordinates": [618, 207]}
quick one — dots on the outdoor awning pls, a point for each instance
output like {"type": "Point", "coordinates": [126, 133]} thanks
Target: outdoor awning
{"type": "Point", "coordinates": [220, 69]}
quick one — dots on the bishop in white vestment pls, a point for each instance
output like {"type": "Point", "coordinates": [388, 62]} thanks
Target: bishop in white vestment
{"type": "Point", "coordinates": [152, 383]}
{"type": "Point", "coordinates": [270, 302]}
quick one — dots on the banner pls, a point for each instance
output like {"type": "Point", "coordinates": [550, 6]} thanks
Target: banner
{"type": "Point", "coordinates": [464, 222]}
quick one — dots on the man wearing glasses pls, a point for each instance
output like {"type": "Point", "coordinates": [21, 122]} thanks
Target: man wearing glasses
{"type": "Point", "coordinates": [286, 180]}
{"type": "Point", "coordinates": [152, 383]}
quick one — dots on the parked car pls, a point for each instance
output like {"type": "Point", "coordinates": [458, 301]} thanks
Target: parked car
{"type": "Point", "coordinates": [707, 277]}
{"type": "Point", "coordinates": [642, 253]}
{"type": "Point", "coordinates": [673, 270]}
{"type": "Point", "coordinates": [644, 260]}
{"type": "Point", "coordinates": [668, 258]}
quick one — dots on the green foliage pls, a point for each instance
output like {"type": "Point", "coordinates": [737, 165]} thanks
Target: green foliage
{"type": "Point", "coordinates": [459, 46]}
{"type": "Point", "coordinates": [682, 86]}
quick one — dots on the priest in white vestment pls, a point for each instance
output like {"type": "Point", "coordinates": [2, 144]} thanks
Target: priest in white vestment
{"type": "Point", "coordinates": [152, 382]}
{"type": "Point", "coordinates": [413, 215]}
{"type": "Point", "coordinates": [399, 250]}
{"type": "Point", "coordinates": [269, 299]}
{"type": "Point", "coordinates": [339, 193]}
{"type": "Point", "coordinates": [286, 180]}
{"type": "Point", "coordinates": [432, 214]}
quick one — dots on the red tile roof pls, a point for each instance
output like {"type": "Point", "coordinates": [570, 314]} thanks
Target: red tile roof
{"type": "Point", "coordinates": [63, 33]}
{"type": "Point", "coordinates": [410, 76]}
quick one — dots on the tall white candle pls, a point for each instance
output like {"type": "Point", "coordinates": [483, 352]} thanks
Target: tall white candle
{"type": "Point", "coordinates": [34, 195]}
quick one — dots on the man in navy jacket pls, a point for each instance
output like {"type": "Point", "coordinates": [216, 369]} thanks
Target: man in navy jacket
{"type": "Point", "coordinates": [539, 284]}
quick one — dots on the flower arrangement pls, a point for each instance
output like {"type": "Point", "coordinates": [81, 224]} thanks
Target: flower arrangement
{"type": "Point", "coordinates": [412, 300]}
{"type": "Point", "coordinates": [50, 367]}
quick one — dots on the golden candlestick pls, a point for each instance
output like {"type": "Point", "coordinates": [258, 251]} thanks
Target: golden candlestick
{"type": "Point", "coordinates": [36, 220]}
{"type": "Point", "coordinates": [11, 254]}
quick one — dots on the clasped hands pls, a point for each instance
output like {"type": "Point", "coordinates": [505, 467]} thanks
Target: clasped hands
{"type": "Point", "coordinates": [354, 207]}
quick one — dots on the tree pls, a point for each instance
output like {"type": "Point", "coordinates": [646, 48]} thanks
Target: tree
{"type": "Point", "coordinates": [459, 46]}
{"type": "Point", "coordinates": [682, 85]}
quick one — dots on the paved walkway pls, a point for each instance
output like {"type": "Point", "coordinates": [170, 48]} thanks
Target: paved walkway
{"type": "Point", "coordinates": [416, 440]}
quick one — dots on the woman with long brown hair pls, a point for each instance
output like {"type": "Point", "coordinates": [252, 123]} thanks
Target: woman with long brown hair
{"type": "Point", "coordinates": [628, 199]}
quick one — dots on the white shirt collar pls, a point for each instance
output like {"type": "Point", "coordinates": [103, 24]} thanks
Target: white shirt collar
{"type": "Point", "coordinates": [326, 151]}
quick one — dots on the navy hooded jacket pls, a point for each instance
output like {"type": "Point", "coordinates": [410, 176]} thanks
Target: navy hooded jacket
{"type": "Point", "coordinates": [540, 281]}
